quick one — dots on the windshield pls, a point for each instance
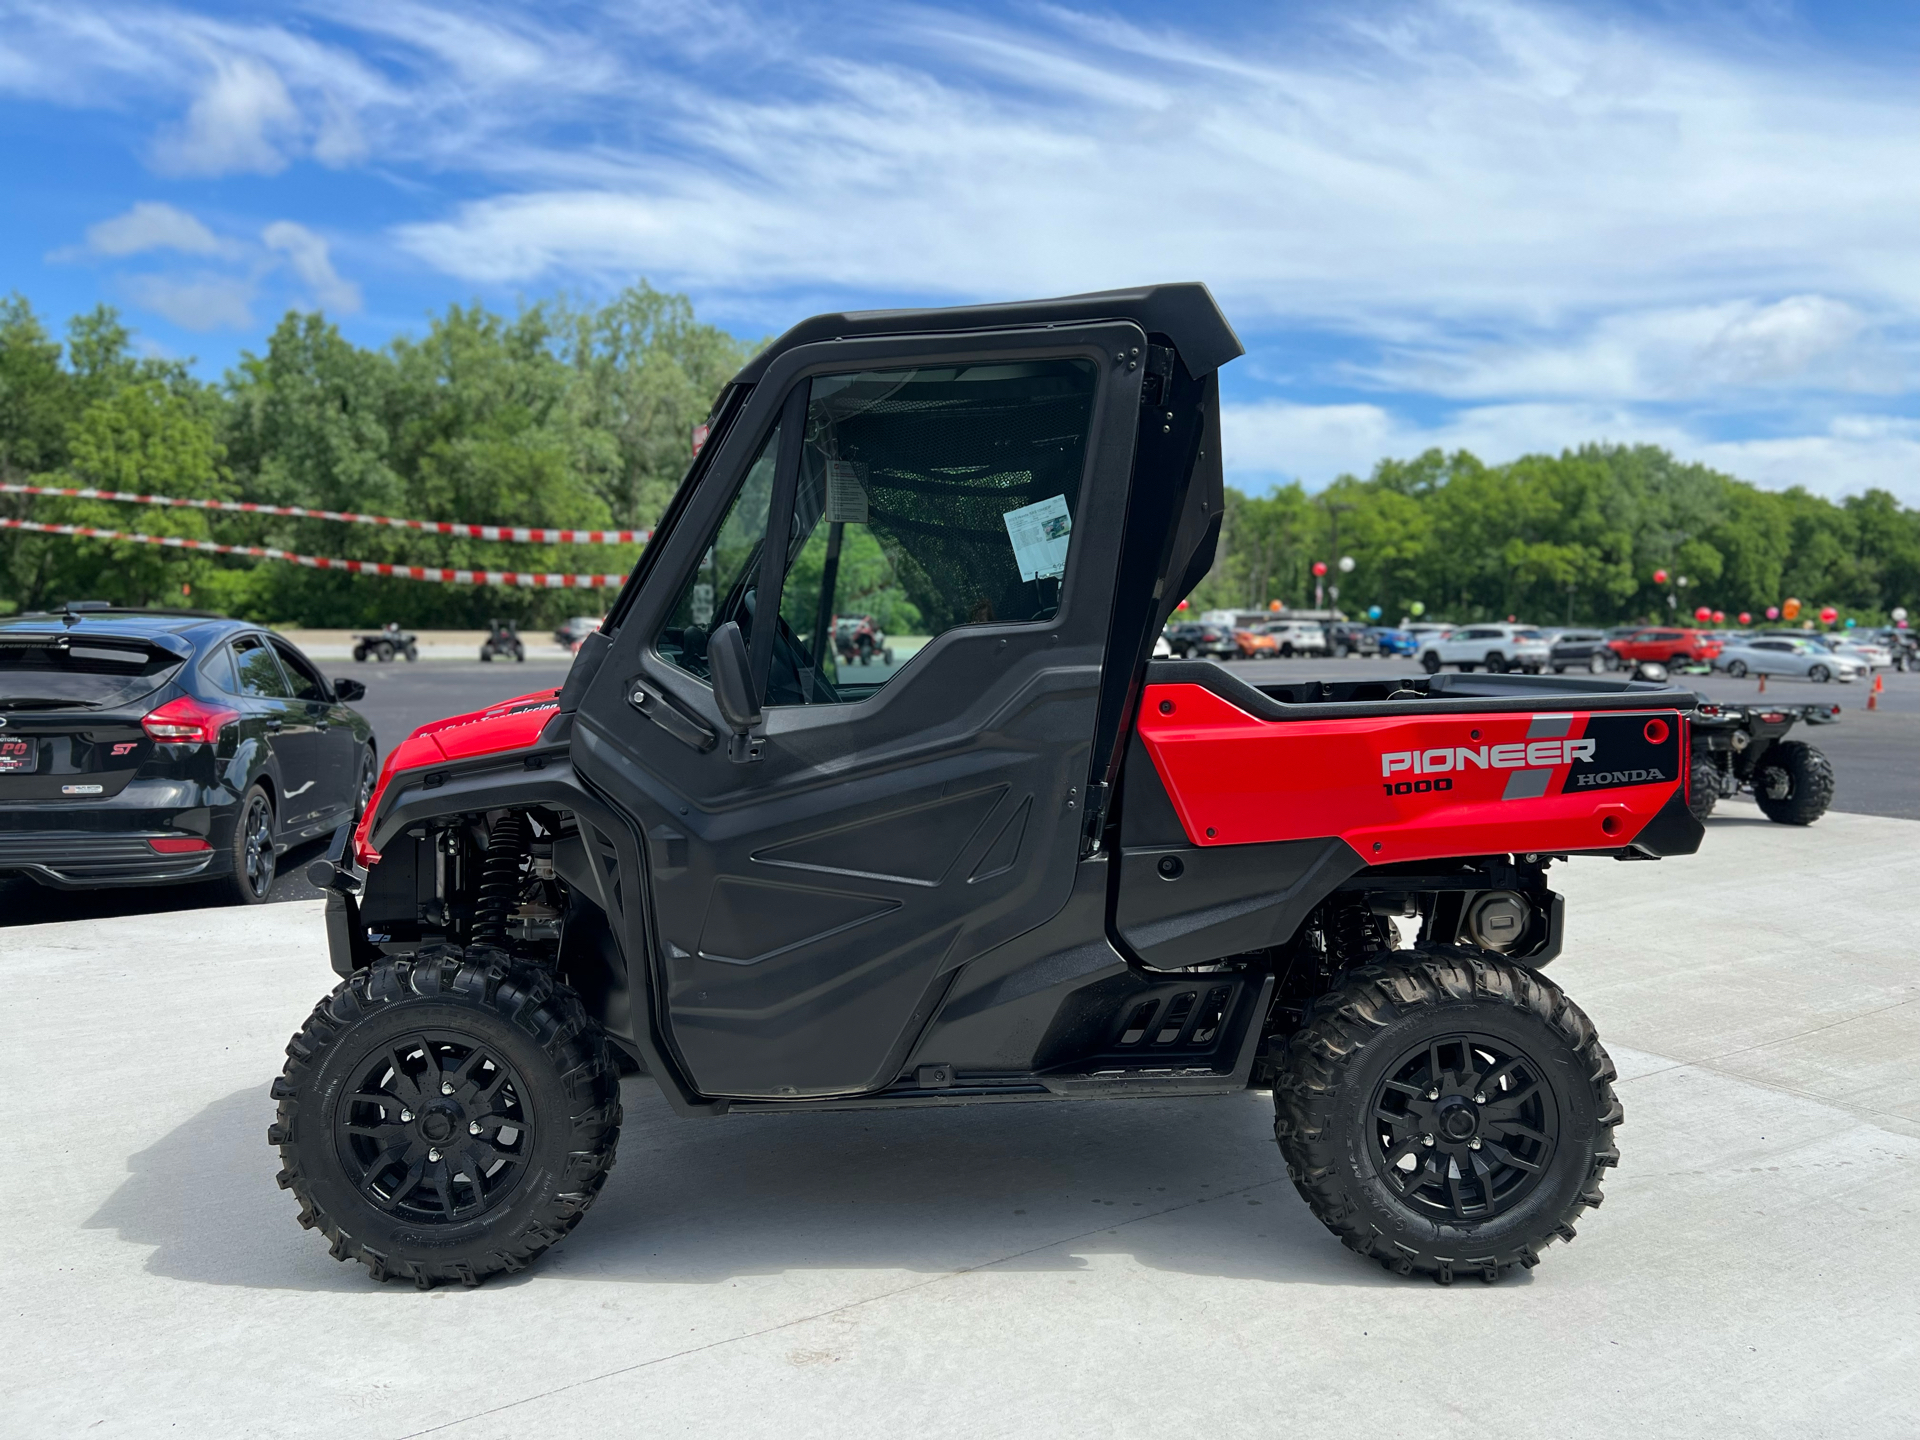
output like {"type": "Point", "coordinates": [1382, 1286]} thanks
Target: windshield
{"type": "Point", "coordinates": [60, 672]}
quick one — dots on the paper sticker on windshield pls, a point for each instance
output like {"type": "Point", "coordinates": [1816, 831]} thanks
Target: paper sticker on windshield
{"type": "Point", "coordinates": [846, 492]}
{"type": "Point", "coordinates": [1039, 533]}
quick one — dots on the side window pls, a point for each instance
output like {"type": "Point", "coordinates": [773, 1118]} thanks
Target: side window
{"type": "Point", "coordinates": [304, 679]}
{"type": "Point", "coordinates": [218, 668]}
{"type": "Point", "coordinates": [724, 581]}
{"type": "Point", "coordinates": [259, 672]}
{"type": "Point", "coordinates": [928, 499]}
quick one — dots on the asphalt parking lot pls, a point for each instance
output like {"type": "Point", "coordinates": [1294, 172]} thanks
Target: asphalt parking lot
{"type": "Point", "coordinates": [1109, 1269]}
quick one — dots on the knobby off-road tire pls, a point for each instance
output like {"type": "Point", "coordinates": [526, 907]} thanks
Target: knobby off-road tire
{"type": "Point", "coordinates": [1461, 1023]}
{"type": "Point", "coordinates": [511, 1106]}
{"type": "Point", "coordinates": [1703, 790]}
{"type": "Point", "coordinates": [1794, 784]}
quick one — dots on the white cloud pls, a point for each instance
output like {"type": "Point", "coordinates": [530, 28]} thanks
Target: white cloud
{"type": "Point", "coordinates": [242, 120]}
{"type": "Point", "coordinates": [151, 225]}
{"type": "Point", "coordinates": [307, 253]}
{"type": "Point", "coordinates": [1272, 441]}
{"type": "Point", "coordinates": [197, 302]}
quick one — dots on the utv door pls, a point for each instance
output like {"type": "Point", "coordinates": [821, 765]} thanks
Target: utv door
{"type": "Point", "coordinates": [815, 886]}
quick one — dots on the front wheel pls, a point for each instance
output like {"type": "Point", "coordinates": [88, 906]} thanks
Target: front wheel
{"type": "Point", "coordinates": [1736, 669]}
{"type": "Point", "coordinates": [1597, 664]}
{"type": "Point", "coordinates": [486, 654]}
{"type": "Point", "coordinates": [1496, 663]}
{"type": "Point", "coordinates": [1820, 674]}
{"type": "Point", "coordinates": [383, 652]}
{"type": "Point", "coordinates": [1794, 784]}
{"type": "Point", "coordinates": [1430, 662]}
{"type": "Point", "coordinates": [359, 653]}
{"type": "Point", "coordinates": [446, 1117]}
{"type": "Point", "coordinates": [1447, 1113]}
{"type": "Point", "coordinates": [412, 653]}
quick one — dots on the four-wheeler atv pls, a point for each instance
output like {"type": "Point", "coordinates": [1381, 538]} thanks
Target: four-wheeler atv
{"type": "Point", "coordinates": [386, 644]}
{"type": "Point", "coordinates": [502, 642]}
{"type": "Point", "coordinates": [1031, 863]}
{"type": "Point", "coordinates": [1744, 747]}
{"type": "Point", "coordinates": [858, 641]}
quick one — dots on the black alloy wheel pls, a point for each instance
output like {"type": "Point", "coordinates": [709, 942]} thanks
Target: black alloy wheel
{"type": "Point", "coordinates": [1464, 1125]}
{"type": "Point", "coordinates": [446, 1116]}
{"type": "Point", "coordinates": [1446, 1112]}
{"type": "Point", "coordinates": [1736, 669]}
{"type": "Point", "coordinates": [1496, 663]}
{"type": "Point", "coordinates": [435, 1128]}
{"type": "Point", "coordinates": [254, 856]}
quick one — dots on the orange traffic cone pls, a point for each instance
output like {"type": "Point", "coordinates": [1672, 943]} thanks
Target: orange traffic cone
{"type": "Point", "coordinates": [1763, 684]}
{"type": "Point", "coordinates": [1873, 695]}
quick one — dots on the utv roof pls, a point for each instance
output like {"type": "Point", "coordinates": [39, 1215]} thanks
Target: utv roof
{"type": "Point", "coordinates": [1185, 313]}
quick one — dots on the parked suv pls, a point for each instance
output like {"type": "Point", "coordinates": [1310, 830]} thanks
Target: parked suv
{"type": "Point", "coordinates": [1194, 641]}
{"type": "Point", "coordinates": [1666, 645]}
{"type": "Point", "coordinates": [1498, 647]}
{"type": "Point", "coordinates": [1582, 650]}
{"type": "Point", "coordinates": [1298, 637]}
{"type": "Point", "coordinates": [1347, 638]}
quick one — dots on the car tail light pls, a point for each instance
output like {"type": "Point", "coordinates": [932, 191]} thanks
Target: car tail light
{"type": "Point", "coordinates": [177, 845]}
{"type": "Point", "coordinates": [187, 721]}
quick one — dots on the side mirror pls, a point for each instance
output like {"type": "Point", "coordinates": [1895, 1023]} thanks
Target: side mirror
{"type": "Point", "coordinates": [347, 691]}
{"type": "Point", "coordinates": [732, 678]}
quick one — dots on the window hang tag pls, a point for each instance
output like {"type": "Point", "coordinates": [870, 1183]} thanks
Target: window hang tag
{"type": "Point", "coordinates": [846, 492]}
{"type": "Point", "coordinates": [1039, 533]}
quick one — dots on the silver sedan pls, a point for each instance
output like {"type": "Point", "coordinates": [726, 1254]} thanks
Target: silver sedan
{"type": "Point", "coordinates": [1786, 657]}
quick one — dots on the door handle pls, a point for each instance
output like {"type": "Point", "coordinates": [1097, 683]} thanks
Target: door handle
{"type": "Point", "coordinates": [662, 712]}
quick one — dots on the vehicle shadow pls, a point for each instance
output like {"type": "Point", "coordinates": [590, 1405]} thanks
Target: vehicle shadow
{"type": "Point", "coordinates": [1193, 1186]}
{"type": "Point", "coordinates": [24, 902]}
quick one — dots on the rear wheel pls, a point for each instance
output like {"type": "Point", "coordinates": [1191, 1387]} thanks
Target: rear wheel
{"type": "Point", "coordinates": [1674, 662]}
{"type": "Point", "coordinates": [412, 653]}
{"type": "Point", "coordinates": [1496, 663]}
{"type": "Point", "coordinates": [383, 652]}
{"type": "Point", "coordinates": [363, 790]}
{"type": "Point", "coordinates": [359, 653]}
{"type": "Point", "coordinates": [1794, 784]}
{"type": "Point", "coordinates": [1430, 662]}
{"type": "Point", "coordinates": [1703, 790]}
{"type": "Point", "coordinates": [1819, 674]}
{"type": "Point", "coordinates": [1447, 1113]}
{"type": "Point", "coordinates": [1737, 669]}
{"type": "Point", "coordinates": [1597, 664]}
{"type": "Point", "coordinates": [254, 858]}
{"type": "Point", "coordinates": [486, 653]}
{"type": "Point", "coordinates": [446, 1117]}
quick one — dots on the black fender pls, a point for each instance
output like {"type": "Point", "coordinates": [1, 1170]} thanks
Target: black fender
{"type": "Point", "coordinates": [614, 880]}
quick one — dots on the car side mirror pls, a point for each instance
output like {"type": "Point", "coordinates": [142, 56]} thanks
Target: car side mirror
{"type": "Point", "coordinates": [732, 678]}
{"type": "Point", "coordinates": [347, 691]}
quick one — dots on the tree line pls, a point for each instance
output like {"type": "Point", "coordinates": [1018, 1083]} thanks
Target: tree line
{"type": "Point", "coordinates": [582, 416]}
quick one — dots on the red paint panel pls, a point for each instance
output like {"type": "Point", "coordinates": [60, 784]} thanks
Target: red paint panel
{"type": "Point", "coordinates": [1551, 780]}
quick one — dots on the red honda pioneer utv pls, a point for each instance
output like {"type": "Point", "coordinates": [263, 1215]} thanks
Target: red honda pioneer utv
{"type": "Point", "coordinates": [1029, 863]}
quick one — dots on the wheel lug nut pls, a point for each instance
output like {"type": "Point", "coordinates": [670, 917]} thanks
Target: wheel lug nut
{"type": "Point", "coordinates": [1433, 1094]}
{"type": "Point", "coordinates": [433, 1154]}
{"type": "Point", "coordinates": [446, 1087]}
{"type": "Point", "coordinates": [1426, 1140]}
{"type": "Point", "coordinates": [1474, 1144]}
{"type": "Point", "coordinates": [1480, 1099]}
{"type": "Point", "coordinates": [406, 1115]}
{"type": "Point", "coordinates": [473, 1127]}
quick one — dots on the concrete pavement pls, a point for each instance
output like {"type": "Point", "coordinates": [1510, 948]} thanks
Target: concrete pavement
{"type": "Point", "coordinates": [1108, 1269]}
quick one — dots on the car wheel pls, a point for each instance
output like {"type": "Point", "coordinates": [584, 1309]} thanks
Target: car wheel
{"type": "Point", "coordinates": [363, 793]}
{"type": "Point", "coordinates": [1287, 651]}
{"type": "Point", "coordinates": [1674, 662]}
{"type": "Point", "coordinates": [1737, 669]}
{"type": "Point", "coordinates": [1430, 662]}
{"type": "Point", "coordinates": [1447, 1113]}
{"type": "Point", "coordinates": [1597, 664]}
{"type": "Point", "coordinates": [254, 857]}
{"type": "Point", "coordinates": [1496, 663]}
{"type": "Point", "coordinates": [1559, 669]}
{"type": "Point", "coordinates": [1794, 784]}
{"type": "Point", "coordinates": [1819, 674]}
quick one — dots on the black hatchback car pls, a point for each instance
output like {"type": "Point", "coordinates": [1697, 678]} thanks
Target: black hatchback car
{"type": "Point", "coordinates": [155, 747]}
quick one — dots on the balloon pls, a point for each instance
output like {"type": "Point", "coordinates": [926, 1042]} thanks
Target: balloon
{"type": "Point", "coordinates": [1773, 612]}
{"type": "Point", "coordinates": [1346, 564]}
{"type": "Point", "coordinates": [1719, 617]}
{"type": "Point", "coordinates": [1181, 606]}
{"type": "Point", "coordinates": [1373, 612]}
{"type": "Point", "coordinates": [1829, 615]}
{"type": "Point", "coordinates": [1319, 567]}
{"type": "Point", "coordinates": [1899, 614]}
{"type": "Point", "coordinates": [1273, 606]}
{"type": "Point", "coordinates": [1419, 607]}
{"type": "Point", "coordinates": [1851, 622]}
{"type": "Point", "coordinates": [1659, 577]}
{"type": "Point", "coordinates": [1791, 610]}
{"type": "Point", "coordinates": [1703, 614]}
{"type": "Point", "coordinates": [1745, 618]}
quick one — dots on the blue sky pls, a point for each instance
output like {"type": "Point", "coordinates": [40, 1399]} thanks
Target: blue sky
{"type": "Point", "coordinates": [1509, 227]}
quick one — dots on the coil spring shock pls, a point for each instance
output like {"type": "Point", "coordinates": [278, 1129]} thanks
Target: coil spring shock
{"type": "Point", "coordinates": [1354, 933]}
{"type": "Point", "coordinates": [499, 879]}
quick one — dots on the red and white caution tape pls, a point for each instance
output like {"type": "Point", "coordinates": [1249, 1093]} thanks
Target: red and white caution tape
{"type": "Point", "coordinates": [532, 579]}
{"type": "Point", "coordinates": [525, 533]}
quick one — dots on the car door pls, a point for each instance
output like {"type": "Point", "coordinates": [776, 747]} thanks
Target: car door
{"type": "Point", "coordinates": [335, 747]}
{"type": "Point", "coordinates": [814, 891]}
{"type": "Point", "coordinates": [290, 736]}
